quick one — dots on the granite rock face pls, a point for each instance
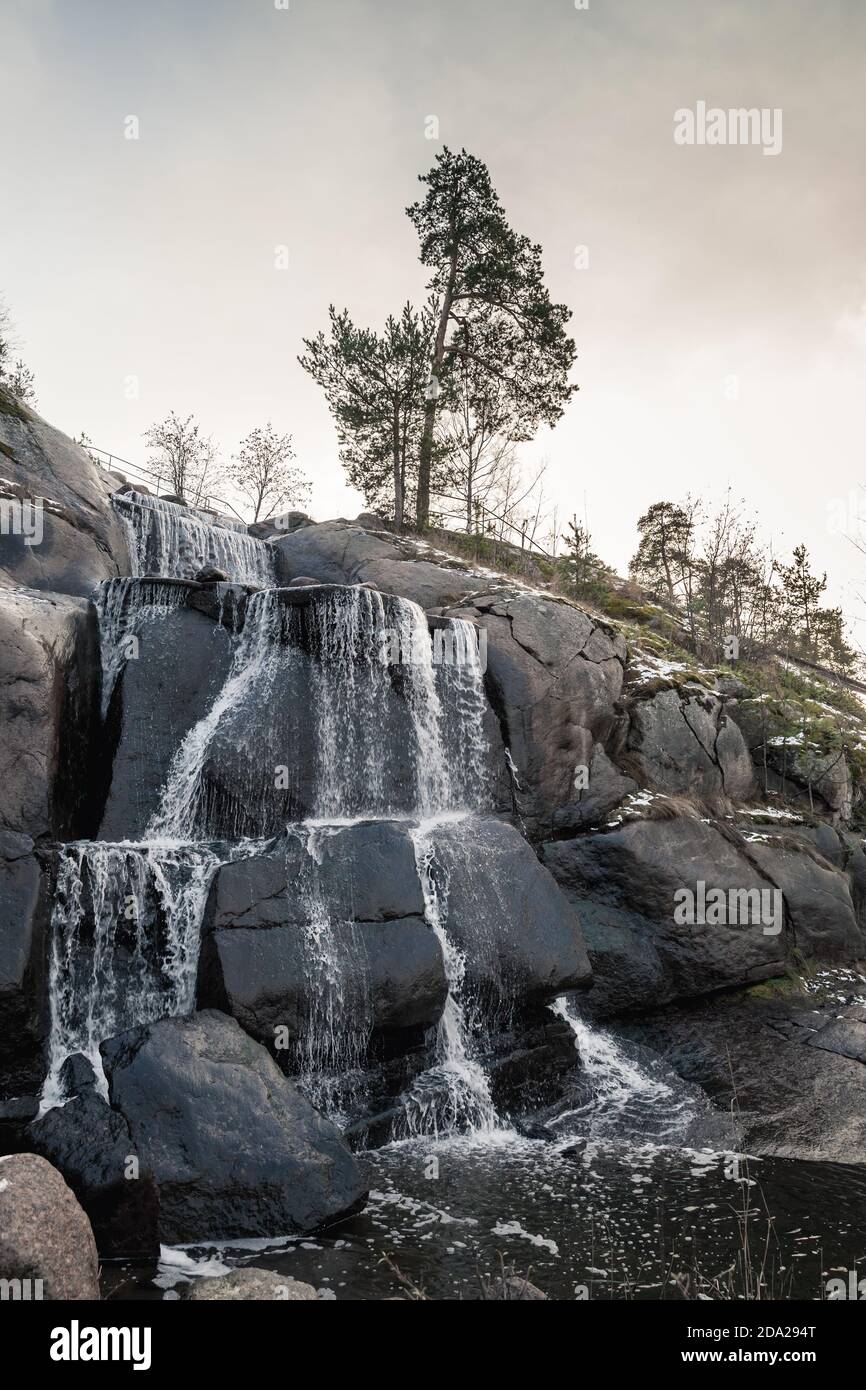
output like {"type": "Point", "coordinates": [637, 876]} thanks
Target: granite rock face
{"type": "Point", "coordinates": [82, 542]}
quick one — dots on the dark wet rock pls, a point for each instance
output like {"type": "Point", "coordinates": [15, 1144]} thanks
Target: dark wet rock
{"type": "Point", "coordinates": [301, 581]}
{"type": "Point", "coordinates": [257, 956]}
{"type": "Point", "coordinates": [791, 1067]}
{"type": "Point", "coordinates": [23, 916]}
{"type": "Point", "coordinates": [92, 1146]}
{"type": "Point", "coordinates": [204, 1138]}
{"type": "Point", "coordinates": [77, 1075]}
{"type": "Point", "coordinates": [16, 1114]}
{"type": "Point", "coordinates": [183, 662]}
{"type": "Point", "coordinates": [211, 574]}
{"type": "Point", "coordinates": [82, 541]}
{"type": "Point", "coordinates": [553, 675]}
{"type": "Point", "coordinates": [44, 1233]}
{"type": "Point", "coordinates": [222, 603]}
{"type": "Point", "coordinates": [520, 937]}
{"type": "Point", "coordinates": [818, 900]}
{"type": "Point", "coordinates": [623, 883]}
{"type": "Point", "coordinates": [49, 711]}
{"type": "Point", "coordinates": [249, 1283]}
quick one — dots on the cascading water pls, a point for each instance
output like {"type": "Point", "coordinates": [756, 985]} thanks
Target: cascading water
{"type": "Point", "coordinates": [175, 541]}
{"type": "Point", "coordinates": [124, 944]}
{"type": "Point", "coordinates": [333, 1040]}
{"type": "Point", "coordinates": [626, 1099]}
{"type": "Point", "coordinates": [125, 608]}
{"type": "Point", "coordinates": [454, 1094]}
{"type": "Point", "coordinates": [460, 678]}
{"type": "Point", "coordinates": [259, 660]}
{"type": "Point", "coordinates": [397, 729]}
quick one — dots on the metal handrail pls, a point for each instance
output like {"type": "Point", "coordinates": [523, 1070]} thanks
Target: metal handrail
{"type": "Point", "coordinates": [487, 511]}
{"type": "Point", "coordinates": [150, 476]}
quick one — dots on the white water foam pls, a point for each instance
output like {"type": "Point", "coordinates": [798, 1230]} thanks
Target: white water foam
{"type": "Point", "coordinates": [626, 1100]}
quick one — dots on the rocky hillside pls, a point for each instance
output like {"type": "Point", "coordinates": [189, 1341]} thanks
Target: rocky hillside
{"type": "Point", "coordinates": [623, 785]}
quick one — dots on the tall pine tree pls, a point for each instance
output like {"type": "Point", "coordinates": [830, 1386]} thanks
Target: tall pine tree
{"type": "Point", "coordinates": [493, 309]}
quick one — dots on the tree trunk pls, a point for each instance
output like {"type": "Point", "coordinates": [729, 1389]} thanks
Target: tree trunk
{"type": "Point", "coordinates": [422, 512]}
{"type": "Point", "coordinates": [398, 473]}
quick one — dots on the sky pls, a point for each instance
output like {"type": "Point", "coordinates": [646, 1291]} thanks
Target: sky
{"type": "Point", "coordinates": [720, 321]}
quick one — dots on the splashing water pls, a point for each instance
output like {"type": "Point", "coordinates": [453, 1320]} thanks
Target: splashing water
{"type": "Point", "coordinates": [336, 1028]}
{"type": "Point", "coordinates": [258, 661]}
{"type": "Point", "coordinates": [454, 1094]}
{"type": "Point", "coordinates": [627, 1101]}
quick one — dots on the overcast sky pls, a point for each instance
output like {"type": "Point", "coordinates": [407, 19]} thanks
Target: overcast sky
{"type": "Point", "coordinates": [155, 258]}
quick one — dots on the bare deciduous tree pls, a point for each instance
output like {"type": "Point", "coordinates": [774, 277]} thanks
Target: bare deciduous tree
{"type": "Point", "coordinates": [263, 471]}
{"type": "Point", "coordinates": [185, 457]}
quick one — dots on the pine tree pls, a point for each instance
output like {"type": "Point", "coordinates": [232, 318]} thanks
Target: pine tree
{"type": "Point", "coordinates": [493, 310]}
{"type": "Point", "coordinates": [374, 384]}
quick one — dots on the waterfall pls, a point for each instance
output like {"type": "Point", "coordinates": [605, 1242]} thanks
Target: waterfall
{"type": "Point", "coordinates": [175, 541]}
{"type": "Point", "coordinates": [454, 1094]}
{"type": "Point", "coordinates": [123, 608]}
{"type": "Point", "coordinates": [349, 630]}
{"type": "Point", "coordinates": [381, 715]}
{"type": "Point", "coordinates": [124, 944]}
{"type": "Point", "coordinates": [374, 717]}
{"type": "Point", "coordinates": [259, 659]}
{"type": "Point", "coordinates": [335, 1030]}
{"type": "Point", "coordinates": [626, 1099]}
{"type": "Point", "coordinates": [457, 662]}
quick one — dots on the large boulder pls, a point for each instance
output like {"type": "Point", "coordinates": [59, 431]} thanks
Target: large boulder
{"type": "Point", "coordinates": [46, 1244]}
{"type": "Point", "coordinates": [623, 883]}
{"type": "Point", "coordinates": [342, 552]}
{"type": "Point", "coordinates": [49, 710]}
{"type": "Point", "coordinates": [82, 540]}
{"type": "Point", "coordinates": [818, 902]}
{"type": "Point", "coordinates": [518, 937]}
{"type": "Point", "coordinates": [92, 1146]}
{"type": "Point", "coordinates": [230, 1146]}
{"type": "Point", "coordinates": [183, 659]}
{"type": "Point", "coordinates": [681, 741]}
{"type": "Point", "coordinates": [554, 675]}
{"type": "Point", "coordinates": [22, 966]}
{"type": "Point", "coordinates": [328, 923]}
